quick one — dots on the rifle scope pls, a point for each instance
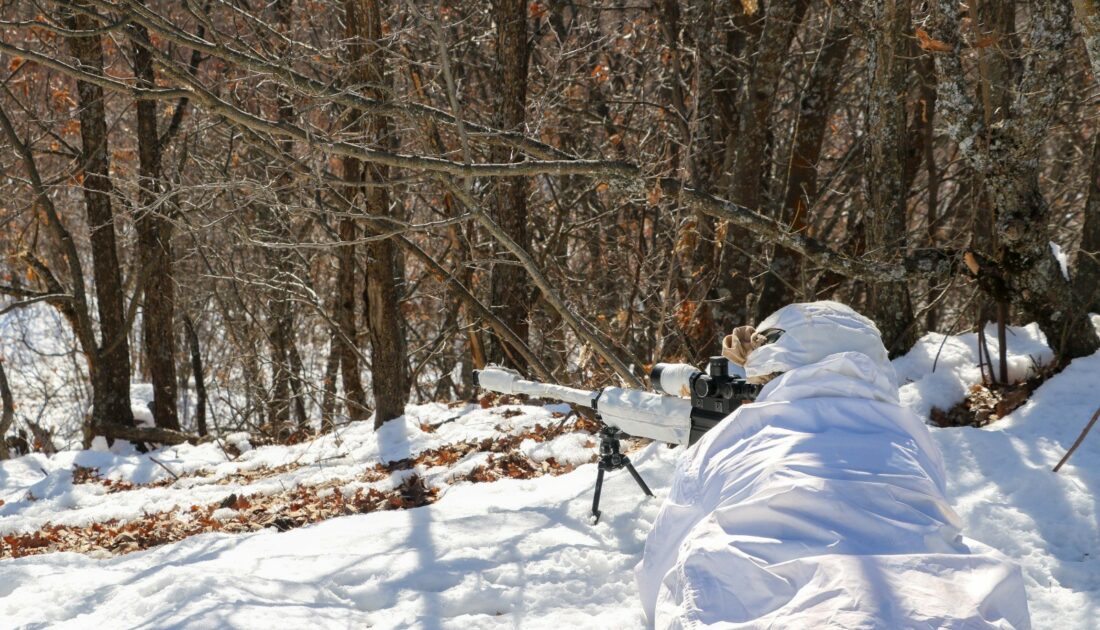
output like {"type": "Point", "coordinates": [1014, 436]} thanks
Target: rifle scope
{"type": "Point", "coordinates": [714, 394]}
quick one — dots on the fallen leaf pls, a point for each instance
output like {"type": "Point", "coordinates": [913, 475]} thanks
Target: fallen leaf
{"type": "Point", "coordinates": [927, 42]}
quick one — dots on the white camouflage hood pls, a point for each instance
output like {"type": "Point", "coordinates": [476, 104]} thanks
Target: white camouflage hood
{"type": "Point", "coordinates": [813, 331]}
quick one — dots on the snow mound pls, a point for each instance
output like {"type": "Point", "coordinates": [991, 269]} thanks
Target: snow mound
{"type": "Point", "coordinates": [1001, 482]}
{"type": "Point", "coordinates": [939, 370]}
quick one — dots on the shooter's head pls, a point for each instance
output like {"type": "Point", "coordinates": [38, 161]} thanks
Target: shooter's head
{"type": "Point", "coordinates": [802, 334]}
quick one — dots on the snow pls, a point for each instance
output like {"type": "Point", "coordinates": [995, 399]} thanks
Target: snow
{"type": "Point", "coordinates": [512, 553]}
{"type": "Point", "coordinates": [1060, 256]}
{"type": "Point", "coordinates": [1001, 481]}
{"type": "Point", "coordinates": [940, 369]}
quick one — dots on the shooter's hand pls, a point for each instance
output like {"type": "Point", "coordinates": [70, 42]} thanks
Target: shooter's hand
{"type": "Point", "coordinates": [738, 346]}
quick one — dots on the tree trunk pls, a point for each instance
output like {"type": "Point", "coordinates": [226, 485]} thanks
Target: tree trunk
{"type": "Point", "coordinates": [510, 287]}
{"type": "Point", "coordinates": [1088, 18]}
{"type": "Point", "coordinates": [328, 387]}
{"type": "Point", "coordinates": [1087, 268]}
{"type": "Point", "coordinates": [297, 387]}
{"type": "Point", "coordinates": [1024, 270]}
{"type": "Point", "coordinates": [1086, 277]}
{"type": "Point", "coordinates": [887, 195]}
{"type": "Point", "coordinates": [382, 296]}
{"type": "Point", "coordinates": [7, 412]}
{"type": "Point", "coordinates": [780, 285]}
{"type": "Point", "coordinates": [154, 238]}
{"type": "Point", "coordinates": [111, 375]}
{"type": "Point", "coordinates": [752, 159]}
{"type": "Point", "coordinates": [926, 68]}
{"type": "Point", "coordinates": [196, 371]}
{"type": "Point", "coordinates": [278, 411]}
{"type": "Point", "coordinates": [752, 153]}
{"type": "Point", "coordinates": [286, 383]}
{"type": "Point", "coordinates": [996, 21]}
{"type": "Point", "coordinates": [355, 397]}
{"type": "Point", "coordinates": [703, 158]}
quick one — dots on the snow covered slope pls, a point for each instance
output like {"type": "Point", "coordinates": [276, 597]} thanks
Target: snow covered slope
{"type": "Point", "coordinates": [1000, 478]}
{"type": "Point", "coordinates": [504, 553]}
{"type": "Point", "coordinates": [513, 552]}
{"type": "Point", "coordinates": [1001, 482]}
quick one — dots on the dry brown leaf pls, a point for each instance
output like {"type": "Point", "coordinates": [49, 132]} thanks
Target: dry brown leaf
{"type": "Point", "coordinates": [971, 262]}
{"type": "Point", "coordinates": [927, 42]}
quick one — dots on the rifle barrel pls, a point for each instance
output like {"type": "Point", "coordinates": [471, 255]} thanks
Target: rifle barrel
{"type": "Point", "coordinates": [505, 381]}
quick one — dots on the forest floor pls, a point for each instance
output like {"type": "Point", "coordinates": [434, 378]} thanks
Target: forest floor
{"type": "Point", "coordinates": [477, 515]}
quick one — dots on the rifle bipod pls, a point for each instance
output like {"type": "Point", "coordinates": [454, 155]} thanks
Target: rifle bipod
{"type": "Point", "coordinates": [612, 459]}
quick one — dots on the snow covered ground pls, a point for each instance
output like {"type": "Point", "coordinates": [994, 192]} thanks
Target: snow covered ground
{"type": "Point", "coordinates": [1000, 478]}
{"type": "Point", "coordinates": [500, 554]}
{"type": "Point", "coordinates": [512, 552]}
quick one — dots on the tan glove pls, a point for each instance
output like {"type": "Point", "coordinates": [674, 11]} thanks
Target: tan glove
{"type": "Point", "coordinates": [738, 346]}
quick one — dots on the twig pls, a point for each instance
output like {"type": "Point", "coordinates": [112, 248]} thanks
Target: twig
{"type": "Point", "coordinates": [159, 463]}
{"type": "Point", "coordinates": [1080, 438]}
{"type": "Point", "coordinates": [951, 330]}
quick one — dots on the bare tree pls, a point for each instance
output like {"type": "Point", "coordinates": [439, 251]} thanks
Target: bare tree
{"type": "Point", "coordinates": [886, 182]}
{"type": "Point", "coordinates": [352, 197]}
{"type": "Point", "coordinates": [112, 391]}
{"type": "Point", "coordinates": [382, 296]}
{"type": "Point", "coordinates": [511, 291]}
{"type": "Point", "coordinates": [155, 244]}
{"type": "Point", "coordinates": [1024, 271]}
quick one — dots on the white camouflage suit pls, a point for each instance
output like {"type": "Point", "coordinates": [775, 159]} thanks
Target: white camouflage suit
{"type": "Point", "coordinates": [821, 505]}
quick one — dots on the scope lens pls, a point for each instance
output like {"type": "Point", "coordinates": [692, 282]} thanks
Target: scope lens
{"type": "Point", "coordinates": [702, 385]}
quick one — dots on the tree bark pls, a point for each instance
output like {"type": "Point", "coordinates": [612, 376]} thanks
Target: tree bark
{"type": "Point", "coordinates": [197, 373]}
{"type": "Point", "coordinates": [1088, 17]}
{"type": "Point", "coordinates": [286, 387]}
{"type": "Point", "coordinates": [297, 387]}
{"type": "Point", "coordinates": [887, 194]}
{"type": "Point", "coordinates": [345, 342]}
{"type": "Point", "coordinates": [1087, 268]}
{"type": "Point", "coordinates": [328, 387]}
{"type": "Point", "coordinates": [7, 412]}
{"type": "Point", "coordinates": [510, 288]}
{"type": "Point", "coordinates": [1024, 270]}
{"type": "Point", "coordinates": [996, 21]}
{"type": "Point", "coordinates": [1086, 276]}
{"type": "Point", "coordinates": [355, 397]}
{"type": "Point", "coordinates": [779, 286]}
{"type": "Point", "coordinates": [926, 68]}
{"type": "Point", "coordinates": [752, 150]}
{"type": "Point", "coordinates": [154, 239]}
{"type": "Point", "coordinates": [703, 158]}
{"type": "Point", "coordinates": [752, 160]}
{"type": "Point", "coordinates": [382, 296]}
{"type": "Point", "coordinates": [111, 376]}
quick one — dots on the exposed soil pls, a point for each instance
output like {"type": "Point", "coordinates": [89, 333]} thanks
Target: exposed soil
{"type": "Point", "coordinates": [985, 404]}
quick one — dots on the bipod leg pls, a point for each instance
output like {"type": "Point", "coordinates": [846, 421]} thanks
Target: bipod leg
{"type": "Point", "coordinates": [596, 497]}
{"type": "Point", "coordinates": [637, 477]}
